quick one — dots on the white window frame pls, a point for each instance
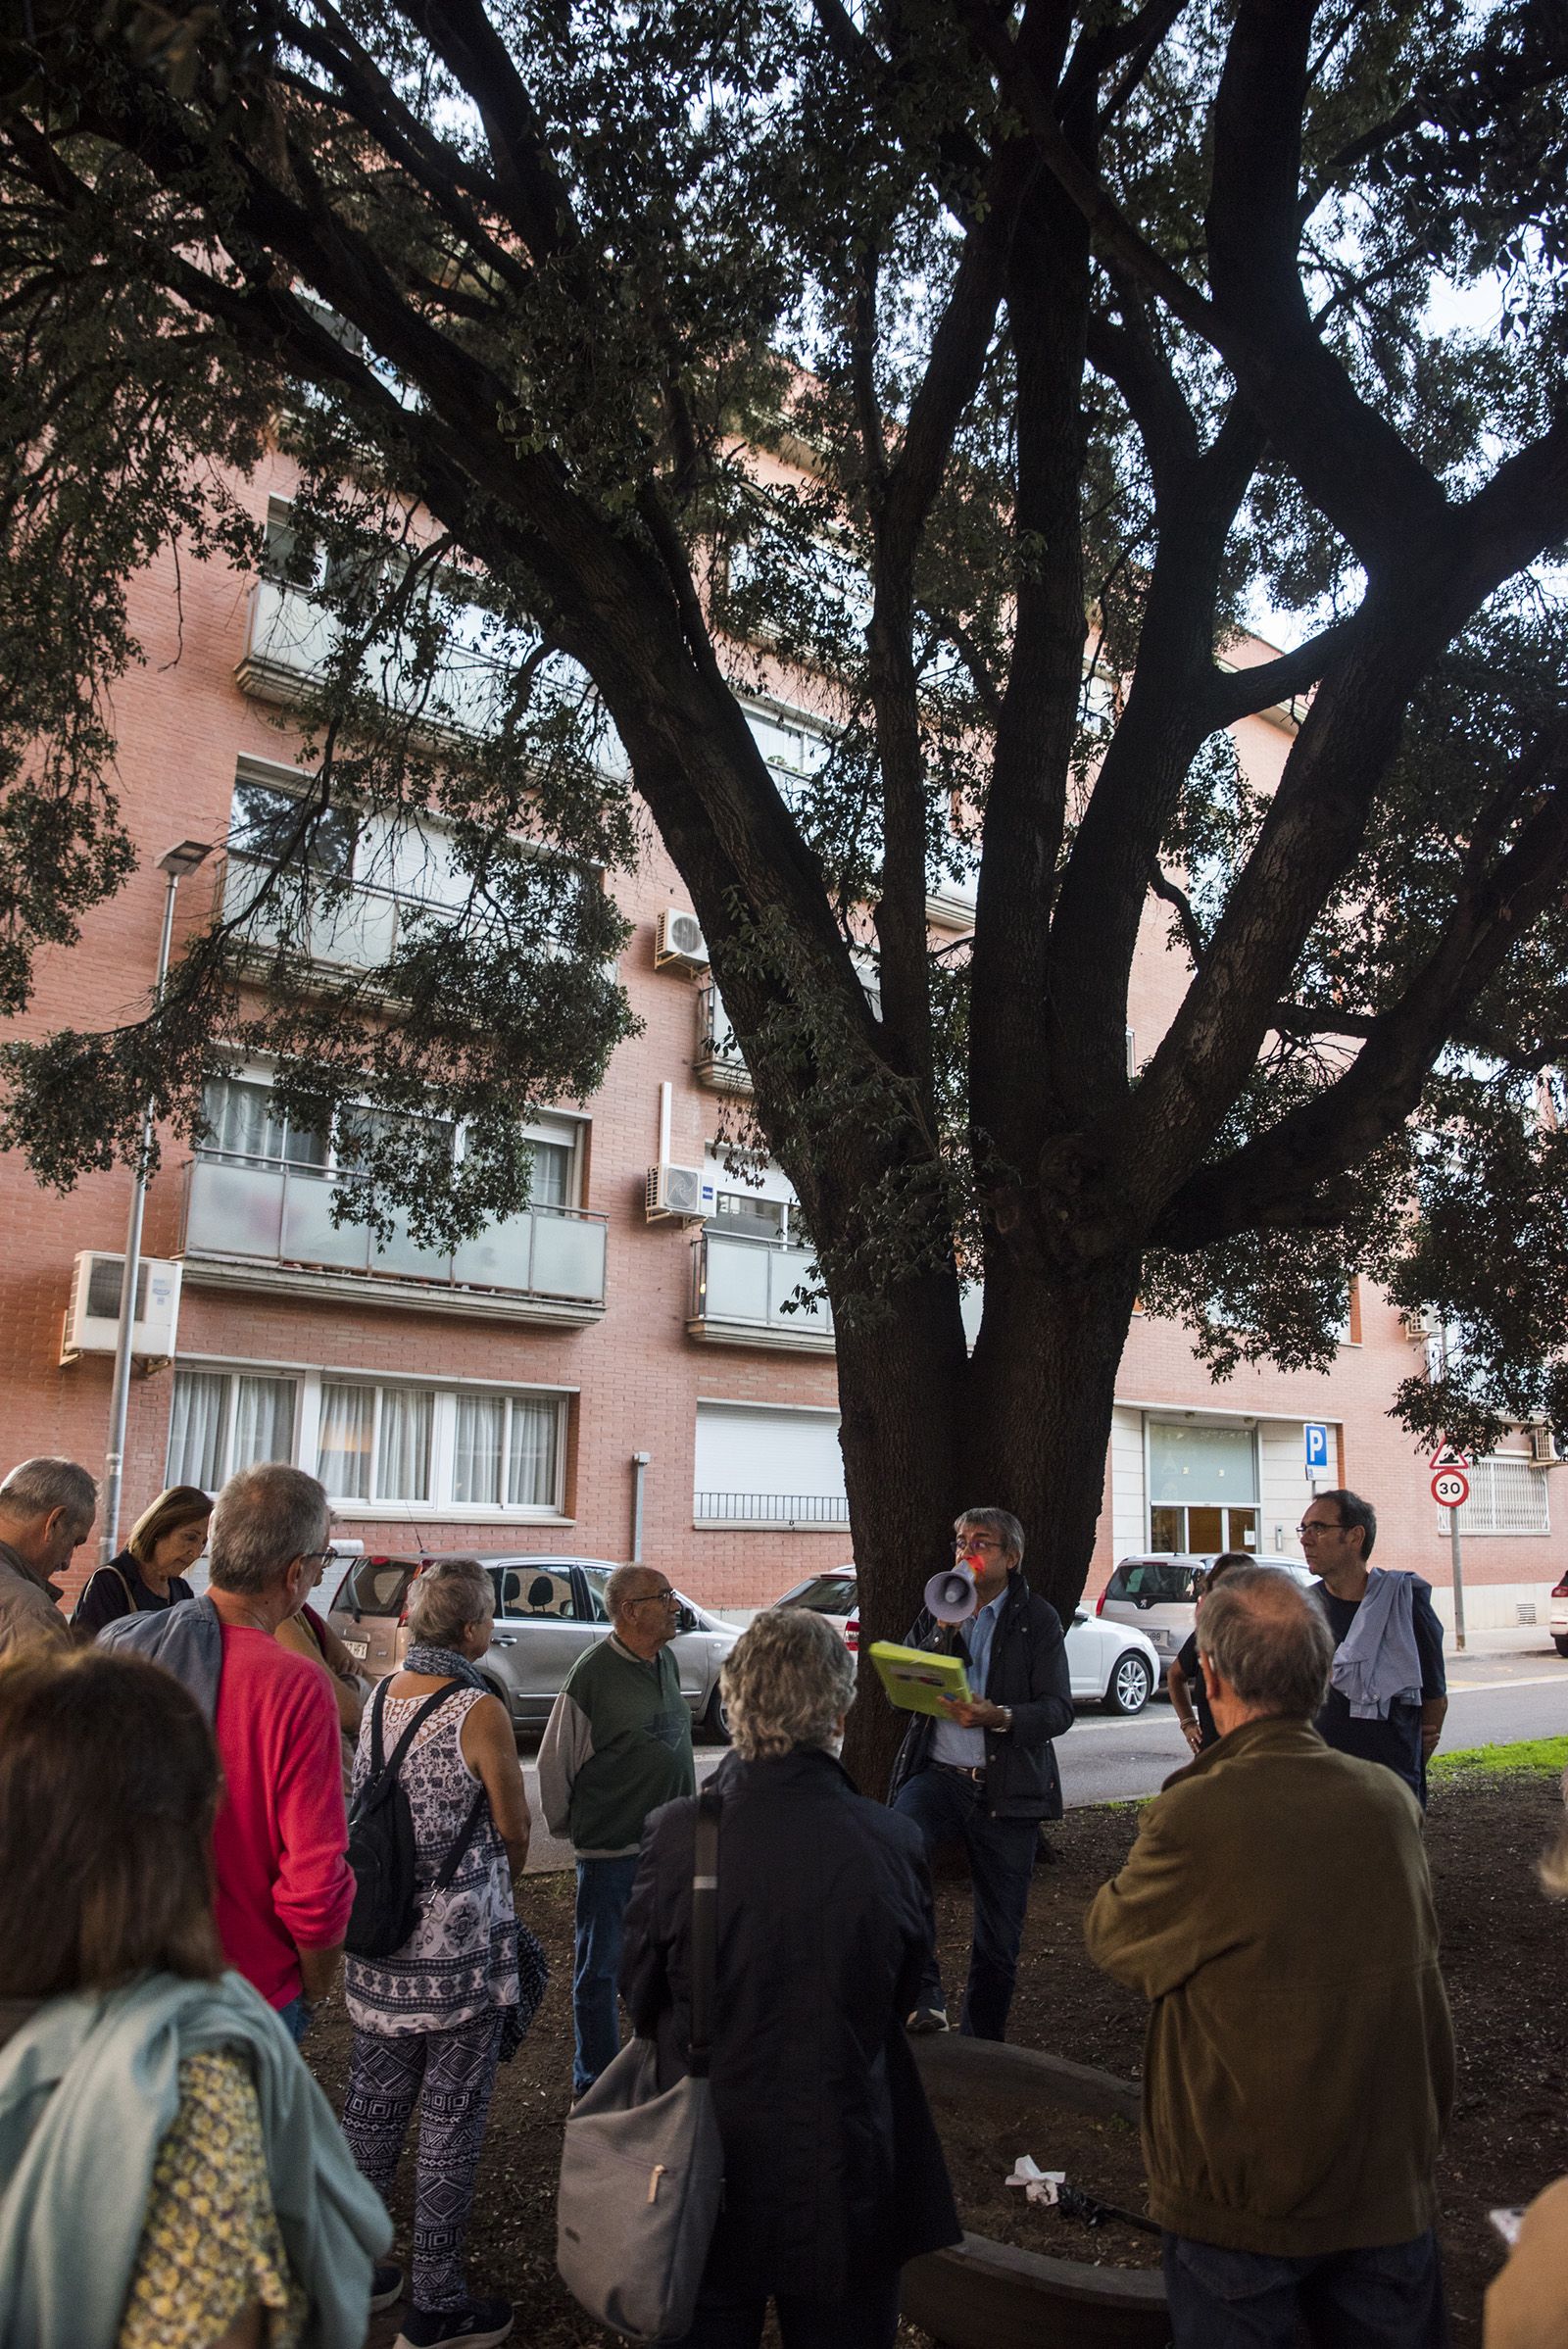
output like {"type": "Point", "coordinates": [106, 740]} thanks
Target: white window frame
{"type": "Point", "coordinates": [233, 1373]}
{"type": "Point", "coordinates": [439, 1508]}
{"type": "Point", "coordinates": [1484, 1481]}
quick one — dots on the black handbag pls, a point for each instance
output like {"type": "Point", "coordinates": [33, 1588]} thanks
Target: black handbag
{"type": "Point", "coordinates": [381, 1845]}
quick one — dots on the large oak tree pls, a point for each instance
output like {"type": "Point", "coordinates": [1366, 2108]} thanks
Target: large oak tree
{"type": "Point", "coordinates": [911, 349]}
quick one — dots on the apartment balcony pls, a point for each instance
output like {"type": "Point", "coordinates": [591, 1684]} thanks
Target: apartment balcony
{"type": "Point", "coordinates": [353, 927]}
{"type": "Point", "coordinates": [292, 636]}
{"type": "Point", "coordinates": [740, 1290]}
{"type": "Point", "coordinates": [255, 1225]}
{"type": "Point", "coordinates": [718, 1061]}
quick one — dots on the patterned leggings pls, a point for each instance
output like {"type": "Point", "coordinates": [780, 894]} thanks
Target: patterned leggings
{"type": "Point", "coordinates": [457, 2070]}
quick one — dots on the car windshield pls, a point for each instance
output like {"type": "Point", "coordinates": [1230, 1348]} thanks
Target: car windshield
{"type": "Point", "coordinates": [1155, 1579]}
{"type": "Point", "coordinates": [825, 1594]}
{"type": "Point", "coordinates": [375, 1587]}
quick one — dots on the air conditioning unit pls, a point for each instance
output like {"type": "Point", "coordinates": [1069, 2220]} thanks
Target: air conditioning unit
{"type": "Point", "coordinates": [92, 1317]}
{"type": "Point", "coordinates": [1419, 1327]}
{"type": "Point", "coordinates": [680, 942]}
{"type": "Point", "coordinates": [1543, 1443]}
{"type": "Point", "coordinates": [683, 1192]}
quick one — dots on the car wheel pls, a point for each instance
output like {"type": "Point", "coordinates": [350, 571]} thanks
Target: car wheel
{"type": "Point", "coordinates": [1131, 1682]}
{"type": "Point", "coordinates": [1560, 1644]}
{"type": "Point", "coordinates": [714, 1725]}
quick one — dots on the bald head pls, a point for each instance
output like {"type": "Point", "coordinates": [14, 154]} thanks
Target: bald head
{"type": "Point", "coordinates": [643, 1608]}
{"type": "Point", "coordinates": [1267, 1644]}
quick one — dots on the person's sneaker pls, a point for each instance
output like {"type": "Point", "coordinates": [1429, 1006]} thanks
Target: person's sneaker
{"type": "Point", "coordinates": [478, 2326]}
{"type": "Point", "coordinates": [926, 2020]}
{"type": "Point", "coordinates": [386, 2285]}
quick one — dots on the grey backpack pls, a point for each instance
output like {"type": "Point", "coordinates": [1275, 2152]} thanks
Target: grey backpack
{"type": "Point", "coordinates": [642, 2173]}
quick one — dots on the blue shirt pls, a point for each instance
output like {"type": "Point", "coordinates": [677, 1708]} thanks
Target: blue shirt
{"type": "Point", "coordinates": [966, 1748]}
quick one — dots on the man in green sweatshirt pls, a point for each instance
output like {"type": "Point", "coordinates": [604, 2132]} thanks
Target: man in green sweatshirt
{"type": "Point", "coordinates": [1276, 1912]}
{"type": "Point", "coordinates": [617, 1744]}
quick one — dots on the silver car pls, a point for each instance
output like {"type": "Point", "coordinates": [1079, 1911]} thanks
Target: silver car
{"type": "Point", "coordinates": [1154, 1592]}
{"type": "Point", "coordinates": [547, 1610]}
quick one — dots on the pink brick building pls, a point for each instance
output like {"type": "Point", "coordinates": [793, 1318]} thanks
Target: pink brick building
{"type": "Point", "coordinates": [501, 1399]}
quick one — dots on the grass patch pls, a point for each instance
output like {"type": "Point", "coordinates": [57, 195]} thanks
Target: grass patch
{"type": "Point", "coordinates": [1499, 1761]}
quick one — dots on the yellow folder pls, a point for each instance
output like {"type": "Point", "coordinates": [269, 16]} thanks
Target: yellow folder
{"type": "Point", "coordinates": [917, 1680]}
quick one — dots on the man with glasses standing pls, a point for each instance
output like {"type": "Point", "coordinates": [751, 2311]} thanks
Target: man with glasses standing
{"type": "Point", "coordinates": [617, 1744]}
{"type": "Point", "coordinates": [987, 1777]}
{"type": "Point", "coordinates": [1338, 1531]}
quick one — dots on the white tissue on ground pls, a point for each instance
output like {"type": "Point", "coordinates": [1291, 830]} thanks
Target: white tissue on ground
{"type": "Point", "coordinates": [1039, 2186]}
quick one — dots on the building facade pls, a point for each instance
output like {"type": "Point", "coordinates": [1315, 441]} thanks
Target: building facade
{"type": "Point", "coordinates": [631, 1351]}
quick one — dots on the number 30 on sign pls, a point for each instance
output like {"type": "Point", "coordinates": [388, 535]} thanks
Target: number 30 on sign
{"type": "Point", "coordinates": [1451, 1487]}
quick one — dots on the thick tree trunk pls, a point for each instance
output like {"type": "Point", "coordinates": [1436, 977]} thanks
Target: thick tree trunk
{"type": "Point", "coordinates": [1023, 1426]}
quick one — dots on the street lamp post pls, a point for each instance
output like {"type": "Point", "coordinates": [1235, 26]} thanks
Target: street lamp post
{"type": "Point", "coordinates": [182, 859]}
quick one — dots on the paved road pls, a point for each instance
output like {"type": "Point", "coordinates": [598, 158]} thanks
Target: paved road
{"type": "Point", "coordinates": [1494, 1699]}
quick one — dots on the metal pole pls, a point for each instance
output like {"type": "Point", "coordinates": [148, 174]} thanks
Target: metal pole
{"type": "Point", "coordinates": [120, 1393]}
{"type": "Point", "coordinates": [639, 1474]}
{"type": "Point", "coordinates": [1458, 1578]}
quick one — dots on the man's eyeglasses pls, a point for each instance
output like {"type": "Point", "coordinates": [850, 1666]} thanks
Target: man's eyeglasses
{"type": "Point", "coordinates": [656, 1598]}
{"type": "Point", "coordinates": [1306, 1533]}
{"type": "Point", "coordinates": [315, 1558]}
{"type": "Point", "coordinates": [976, 1541]}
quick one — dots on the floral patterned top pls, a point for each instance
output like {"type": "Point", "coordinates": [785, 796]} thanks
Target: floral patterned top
{"type": "Point", "coordinates": [461, 1958]}
{"type": "Point", "coordinates": [210, 2246]}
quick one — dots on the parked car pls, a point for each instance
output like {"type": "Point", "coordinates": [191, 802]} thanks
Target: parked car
{"type": "Point", "coordinates": [1107, 1663]}
{"type": "Point", "coordinates": [1154, 1594]}
{"type": "Point", "coordinates": [1560, 1617]}
{"type": "Point", "coordinates": [547, 1610]}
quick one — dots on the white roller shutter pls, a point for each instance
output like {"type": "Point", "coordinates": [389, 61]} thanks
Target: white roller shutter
{"type": "Point", "coordinates": [768, 1466]}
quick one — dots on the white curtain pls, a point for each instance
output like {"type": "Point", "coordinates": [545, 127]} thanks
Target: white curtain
{"type": "Point", "coordinates": [551, 1173]}
{"type": "Point", "coordinates": [402, 1468]}
{"type": "Point", "coordinates": [531, 1463]}
{"type": "Point", "coordinates": [343, 1454]}
{"type": "Point", "coordinates": [197, 1429]}
{"type": "Point", "coordinates": [239, 1111]}
{"type": "Point", "coordinates": [263, 1421]}
{"type": "Point", "coordinates": [477, 1454]}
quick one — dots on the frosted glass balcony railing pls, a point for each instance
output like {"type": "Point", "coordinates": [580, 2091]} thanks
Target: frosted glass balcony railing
{"type": "Point", "coordinates": [355, 928]}
{"type": "Point", "coordinates": [238, 1207]}
{"type": "Point", "coordinates": [744, 1284]}
{"type": "Point", "coordinates": [292, 635]}
{"type": "Point", "coordinates": [720, 1060]}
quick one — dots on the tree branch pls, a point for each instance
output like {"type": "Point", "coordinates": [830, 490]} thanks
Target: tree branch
{"type": "Point", "coordinates": [1164, 888]}
{"type": "Point", "coordinates": [1235, 693]}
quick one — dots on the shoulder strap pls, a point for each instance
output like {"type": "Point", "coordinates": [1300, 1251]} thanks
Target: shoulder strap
{"type": "Point", "coordinates": [454, 1859]}
{"type": "Point", "coordinates": [704, 1934]}
{"type": "Point", "coordinates": [120, 1576]}
{"type": "Point", "coordinates": [389, 1771]}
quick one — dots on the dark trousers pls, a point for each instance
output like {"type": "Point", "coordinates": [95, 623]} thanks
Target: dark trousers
{"type": "Point", "coordinates": [1389, 2298]}
{"type": "Point", "coordinates": [452, 2075]}
{"type": "Point", "coordinates": [867, 2318]}
{"type": "Point", "coordinates": [949, 1808]}
{"type": "Point", "coordinates": [604, 1887]}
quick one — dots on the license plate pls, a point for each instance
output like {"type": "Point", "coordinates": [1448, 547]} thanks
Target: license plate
{"type": "Point", "coordinates": [358, 1647]}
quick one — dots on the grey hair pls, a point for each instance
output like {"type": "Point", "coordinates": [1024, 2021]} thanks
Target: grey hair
{"type": "Point", "coordinates": [1268, 1639]}
{"type": "Point", "coordinates": [37, 1487]}
{"type": "Point", "coordinates": [446, 1598]}
{"type": "Point", "coordinates": [788, 1681]}
{"type": "Point", "coordinates": [622, 1584]}
{"type": "Point", "coordinates": [263, 1519]}
{"type": "Point", "coordinates": [1000, 1522]}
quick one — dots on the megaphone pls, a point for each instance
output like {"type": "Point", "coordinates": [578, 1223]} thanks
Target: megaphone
{"type": "Point", "coordinates": [951, 1596]}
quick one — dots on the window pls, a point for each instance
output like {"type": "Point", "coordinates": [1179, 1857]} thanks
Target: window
{"type": "Point", "coordinates": [265, 823]}
{"type": "Point", "coordinates": [1202, 1488]}
{"type": "Point", "coordinates": [768, 1466]}
{"type": "Point", "coordinates": [226, 1420]}
{"type": "Point", "coordinates": [378, 1446]}
{"type": "Point", "coordinates": [749, 1215]}
{"type": "Point", "coordinates": [536, 1590]}
{"type": "Point", "coordinates": [1506, 1496]}
{"type": "Point", "coordinates": [244, 1124]}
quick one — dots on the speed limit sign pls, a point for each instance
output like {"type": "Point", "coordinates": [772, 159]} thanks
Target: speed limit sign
{"type": "Point", "coordinates": [1451, 1487]}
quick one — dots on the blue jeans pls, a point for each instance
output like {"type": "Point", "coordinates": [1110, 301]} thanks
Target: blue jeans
{"type": "Point", "coordinates": [295, 2018]}
{"type": "Point", "coordinates": [949, 1808]}
{"type": "Point", "coordinates": [604, 1887]}
{"type": "Point", "coordinates": [1389, 2298]}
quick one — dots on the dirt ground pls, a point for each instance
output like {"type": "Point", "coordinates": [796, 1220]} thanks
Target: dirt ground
{"type": "Point", "coordinates": [1503, 1952]}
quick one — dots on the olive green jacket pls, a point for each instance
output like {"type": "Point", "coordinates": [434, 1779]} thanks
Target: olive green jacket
{"type": "Point", "coordinates": [1298, 2065]}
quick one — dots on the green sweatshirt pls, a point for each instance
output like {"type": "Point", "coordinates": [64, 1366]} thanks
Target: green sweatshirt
{"type": "Point", "coordinates": [618, 1742]}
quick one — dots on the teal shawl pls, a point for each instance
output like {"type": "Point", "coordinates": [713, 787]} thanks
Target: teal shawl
{"type": "Point", "coordinates": [89, 2087]}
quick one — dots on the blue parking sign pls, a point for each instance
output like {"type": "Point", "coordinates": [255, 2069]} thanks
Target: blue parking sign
{"type": "Point", "coordinates": [1316, 1434]}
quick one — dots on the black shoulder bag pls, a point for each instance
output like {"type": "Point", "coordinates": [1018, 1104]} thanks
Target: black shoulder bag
{"type": "Point", "coordinates": [381, 1845]}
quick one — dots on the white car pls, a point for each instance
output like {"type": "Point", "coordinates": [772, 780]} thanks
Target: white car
{"type": "Point", "coordinates": [1109, 1663]}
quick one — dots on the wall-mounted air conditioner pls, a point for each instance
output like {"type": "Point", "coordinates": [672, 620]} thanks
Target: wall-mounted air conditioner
{"type": "Point", "coordinates": [92, 1317]}
{"type": "Point", "coordinates": [678, 1192]}
{"type": "Point", "coordinates": [679, 944]}
{"type": "Point", "coordinates": [1422, 1325]}
{"type": "Point", "coordinates": [1543, 1443]}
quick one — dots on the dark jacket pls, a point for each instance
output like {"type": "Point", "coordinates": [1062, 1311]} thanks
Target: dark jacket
{"type": "Point", "coordinates": [1029, 1674]}
{"type": "Point", "coordinates": [831, 2160]}
{"type": "Point", "coordinates": [1276, 1912]}
{"type": "Point", "coordinates": [119, 1589]}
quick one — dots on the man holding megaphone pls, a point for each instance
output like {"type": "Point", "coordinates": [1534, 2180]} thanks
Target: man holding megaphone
{"type": "Point", "coordinates": [986, 1775]}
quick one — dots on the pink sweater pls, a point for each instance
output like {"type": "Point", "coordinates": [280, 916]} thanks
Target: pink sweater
{"type": "Point", "coordinates": [279, 1845]}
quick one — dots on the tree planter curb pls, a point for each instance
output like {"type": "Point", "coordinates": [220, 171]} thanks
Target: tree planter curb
{"type": "Point", "coordinates": [988, 2295]}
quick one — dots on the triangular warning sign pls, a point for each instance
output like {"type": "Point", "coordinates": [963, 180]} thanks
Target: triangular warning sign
{"type": "Point", "coordinates": [1448, 1456]}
